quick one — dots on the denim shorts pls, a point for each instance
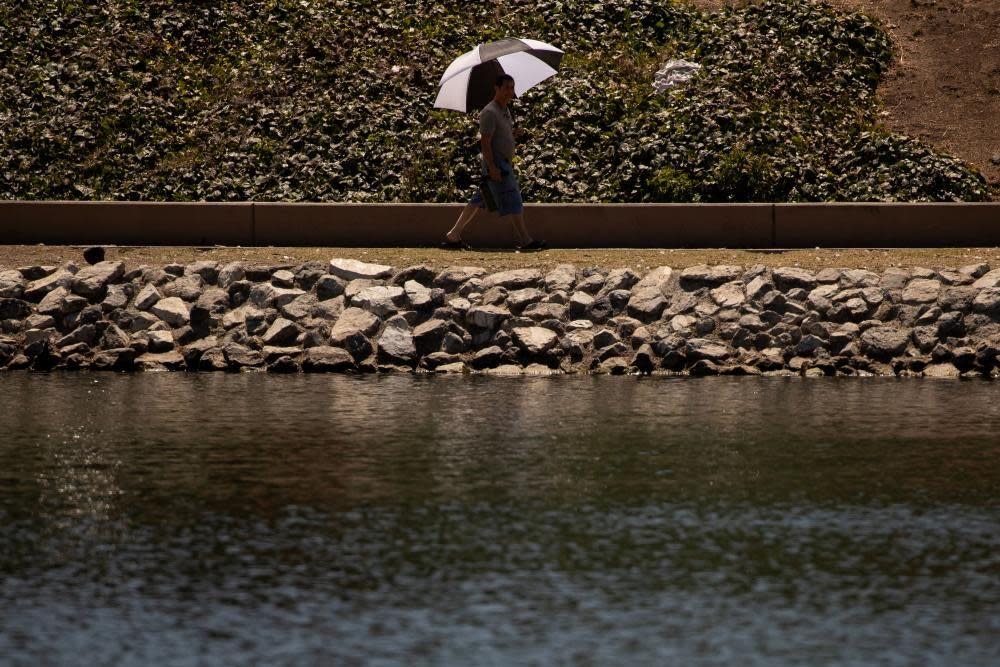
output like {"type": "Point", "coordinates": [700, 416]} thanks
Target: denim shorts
{"type": "Point", "coordinates": [506, 191]}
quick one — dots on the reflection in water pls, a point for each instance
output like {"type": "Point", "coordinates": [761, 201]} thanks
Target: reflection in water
{"type": "Point", "coordinates": [232, 518]}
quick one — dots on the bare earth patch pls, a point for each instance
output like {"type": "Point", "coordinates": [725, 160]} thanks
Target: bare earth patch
{"type": "Point", "coordinates": [944, 86]}
{"type": "Point", "coordinates": [639, 259]}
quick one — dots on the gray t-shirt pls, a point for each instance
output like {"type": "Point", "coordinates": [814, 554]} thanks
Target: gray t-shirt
{"type": "Point", "coordinates": [496, 120]}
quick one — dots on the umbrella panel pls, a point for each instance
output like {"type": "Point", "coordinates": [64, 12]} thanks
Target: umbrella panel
{"type": "Point", "coordinates": [481, 84]}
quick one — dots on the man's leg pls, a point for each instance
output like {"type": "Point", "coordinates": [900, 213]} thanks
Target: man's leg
{"type": "Point", "coordinates": [517, 220]}
{"type": "Point", "coordinates": [468, 213]}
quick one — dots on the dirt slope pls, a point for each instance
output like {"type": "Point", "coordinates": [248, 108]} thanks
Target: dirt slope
{"type": "Point", "coordinates": [944, 86]}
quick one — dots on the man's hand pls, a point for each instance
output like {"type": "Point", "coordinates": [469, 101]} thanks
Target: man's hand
{"type": "Point", "coordinates": [494, 173]}
{"type": "Point", "coordinates": [520, 132]}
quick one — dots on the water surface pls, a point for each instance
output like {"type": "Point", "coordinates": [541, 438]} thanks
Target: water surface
{"type": "Point", "coordinates": [182, 519]}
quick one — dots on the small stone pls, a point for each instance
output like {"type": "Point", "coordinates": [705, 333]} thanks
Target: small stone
{"type": "Point", "coordinates": [351, 269]}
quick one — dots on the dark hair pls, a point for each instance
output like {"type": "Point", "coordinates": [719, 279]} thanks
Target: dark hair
{"type": "Point", "coordinates": [502, 79]}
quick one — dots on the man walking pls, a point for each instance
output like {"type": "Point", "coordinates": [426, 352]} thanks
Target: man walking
{"type": "Point", "coordinates": [497, 135]}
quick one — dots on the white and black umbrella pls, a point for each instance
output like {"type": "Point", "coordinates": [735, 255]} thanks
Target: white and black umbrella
{"type": "Point", "coordinates": [468, 82]}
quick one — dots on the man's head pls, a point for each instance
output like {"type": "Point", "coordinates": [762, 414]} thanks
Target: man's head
{"type": "Point", "coordinates": [503, 89]}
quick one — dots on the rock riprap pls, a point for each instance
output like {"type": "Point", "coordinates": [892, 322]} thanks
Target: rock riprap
{"type": "Point", "coordinates": [352, 316]}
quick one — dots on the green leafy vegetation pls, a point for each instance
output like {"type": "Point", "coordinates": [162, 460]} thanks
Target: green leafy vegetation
{"type": "Point", "coordinates": [310, 100]}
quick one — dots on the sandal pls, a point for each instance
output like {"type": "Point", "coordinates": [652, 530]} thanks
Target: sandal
{"type": "Point", "coordinates": [454, 245]}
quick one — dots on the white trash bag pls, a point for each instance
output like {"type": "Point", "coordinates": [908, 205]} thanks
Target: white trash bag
{"type": "Point", "coordinates": [674, 72]}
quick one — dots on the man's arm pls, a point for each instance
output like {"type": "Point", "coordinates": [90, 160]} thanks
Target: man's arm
{"type": "Point", "coordinates": [486, 144]}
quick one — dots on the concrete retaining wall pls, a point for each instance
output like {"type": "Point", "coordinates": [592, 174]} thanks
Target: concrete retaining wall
{"type": "Point", "coordinates": [563, 225]}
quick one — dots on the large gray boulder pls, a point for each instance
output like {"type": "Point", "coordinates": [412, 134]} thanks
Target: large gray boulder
{"type": "Point", "coordinates": [514, 279]}
{"type": "Point", "coordinates": [790, 277]}
{"type": "Point", "coordinates": [560, 278]}
{"type": "Point", "coordinates": [60, 302]}
{"type": "Point", "coordinates": [172, 310]}
{"type": "Point", "coordinates": [90, 281]}
{"type": "Point", "coordinates": [711, 276]}
{"type": "Point", "coordinates": [353, 330]}
{"type": "Point", "coordinates": [990, 279]}
{"type": "Point", "coordinates": [147, 297]}
{"type": "Point", "coordinates": [921, 291]}
{"type": "Point", "coordinates": [987, 301]}
{"type": "Point", "coordinates": [188, 288]}
{"type": "Point", "coordinates": [230, 273]}
{"type": "Point", "coordinates": [701, 348]}
{"type": "Point", "coordinates": [453, 276]}
{"type": "Point", "coordinates": [381, 300]}
{"type": "Point", "coordinates": [396, 345]}
{"type": "Point", "coordinates": [518, 300]}
{"type": "Point", "coordinates": [300, 308]}
{"type": "Point", "coordinates": [327, 359]}
{"type": "Point", "coordinates": [884, 342]}
{"type": "Point", "coordinates": [428, 335]}
{"type": "Point", "coordinates": [281, 332]}
{"type": "Point", "coordinates": [421, 297]}
{"type": "Point", "coordinates": [487, 317]}
{"type": "Point", "coordinates": [351, 269]}
{"type": "Point", "coordinates": [649, 296]}
{"type": "Point", "coordinates": [39, 288]}
{"type": "Point", "coordinates": [329, 287]}
{"type": "Point", "coordinates": [535, 340]}
{"type": "Point", "coordinates": [729, 295]}
{"type": "Point", "coordinates": [11, 284]}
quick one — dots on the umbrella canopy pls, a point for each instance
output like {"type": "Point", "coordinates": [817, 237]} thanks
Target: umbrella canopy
{"type": "Point", "coordinates": [467, 84]}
